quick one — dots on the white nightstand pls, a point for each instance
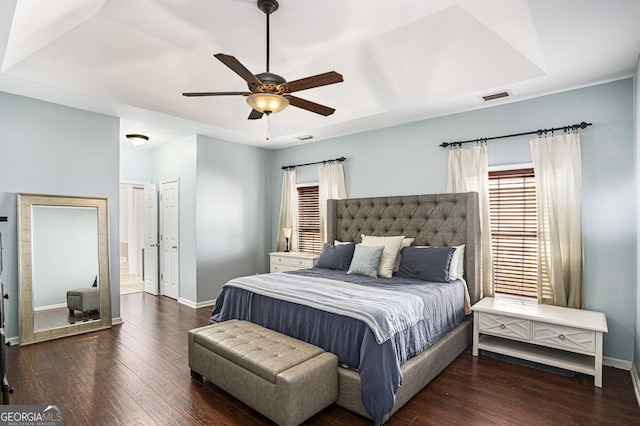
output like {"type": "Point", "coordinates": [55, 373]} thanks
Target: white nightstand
{"type": "Point", "coordinates": [291, 261]}
{"type": "Point", "coordinates": [562, 337]}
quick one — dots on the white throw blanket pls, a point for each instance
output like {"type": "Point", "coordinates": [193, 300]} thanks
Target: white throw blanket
{"type": "Point", "coordinates": [386, 312]}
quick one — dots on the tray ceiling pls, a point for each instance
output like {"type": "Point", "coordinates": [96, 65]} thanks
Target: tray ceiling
{"type": "Point", "coordinates": [401, 61]}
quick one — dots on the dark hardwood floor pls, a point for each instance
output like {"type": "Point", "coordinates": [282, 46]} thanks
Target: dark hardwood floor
{"type": "Point", "coordinates": [138, 373]}
{"type": "Point", "coordinates": [59, 317]}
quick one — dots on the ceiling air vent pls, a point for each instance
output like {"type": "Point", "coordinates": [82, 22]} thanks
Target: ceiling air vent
{"type": "Point", "coordinates": [495, 96]}
{"type": "Point", "coordinates": [305, 138]}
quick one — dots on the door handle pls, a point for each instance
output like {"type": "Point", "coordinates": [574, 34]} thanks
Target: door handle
{"type": "Point", "coordinates": [175, 247]}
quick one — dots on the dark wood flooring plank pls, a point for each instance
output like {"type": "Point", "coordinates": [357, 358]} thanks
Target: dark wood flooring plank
{"type": "Point", "coordinates": [138, 373]}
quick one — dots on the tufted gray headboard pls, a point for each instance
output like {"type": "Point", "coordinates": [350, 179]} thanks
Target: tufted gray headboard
{"type": "Point", "coordinates": [432, 219]}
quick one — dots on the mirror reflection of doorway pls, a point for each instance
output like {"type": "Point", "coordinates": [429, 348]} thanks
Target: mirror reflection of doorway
{"type": "Point", "coordinates": [132, 206]}
{"type": "Point", "coordinates": [65, 265]}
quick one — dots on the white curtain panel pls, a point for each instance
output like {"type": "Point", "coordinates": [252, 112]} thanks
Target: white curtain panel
{"type": "Point", "coordinates": [331, 187]}
{"type": "Point", "coordinates": [288, 211]}
{"type": "Point", "coordinates": [469, 172]}
{"type": "Point", "coordinates": [558, 170]}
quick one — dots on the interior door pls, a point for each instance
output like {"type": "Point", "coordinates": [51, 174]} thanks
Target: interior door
{"type": "Point", "coordinates": [169, 237]}
{"type": "Point", "coordinates": [151, 239]}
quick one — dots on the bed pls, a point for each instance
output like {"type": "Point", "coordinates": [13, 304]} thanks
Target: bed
{"type": "Point", "coordinates": [374, 360]}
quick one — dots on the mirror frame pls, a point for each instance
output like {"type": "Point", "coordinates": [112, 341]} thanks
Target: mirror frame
{"type": "Point", "coordinates": [27, 332]}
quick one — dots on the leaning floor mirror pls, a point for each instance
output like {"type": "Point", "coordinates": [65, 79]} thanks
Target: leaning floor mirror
{"type": "Point", "coordinates": [63, 266]}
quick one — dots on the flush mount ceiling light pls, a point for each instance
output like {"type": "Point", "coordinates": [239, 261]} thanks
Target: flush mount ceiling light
{"type": "Point", "coordinates": [137, 140]}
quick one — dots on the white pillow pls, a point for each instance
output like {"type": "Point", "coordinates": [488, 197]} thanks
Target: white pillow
{"type": "Point", "coordinates": [405, 243]}
{"type": "Point", "coordinates": [337, 243]}
{"type": "Point", "coordinates": [389, 254]}
{"type": "Point", "coordinates": [456, 268]}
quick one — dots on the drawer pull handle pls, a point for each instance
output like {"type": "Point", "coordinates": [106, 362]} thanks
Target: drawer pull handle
{"type": "Point", "coordinates": [299, 262]}
{"type": "Point", "coordinates": [502, 326]}
{"type": "Point", "coordinates": [561, 336]}
{"type": "Point", "coordinates": [279, 260]}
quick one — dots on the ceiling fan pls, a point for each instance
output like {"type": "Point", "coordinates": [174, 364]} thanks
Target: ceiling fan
{"type": "Point", "coordinates": [270, 93]}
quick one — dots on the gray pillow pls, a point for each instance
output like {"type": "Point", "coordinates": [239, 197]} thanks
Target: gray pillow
{"type": "Point", "coordinates": [426, 264]}
{"type": "Point", "coordinates": [336, 257]}
{"type": "Point", "coordinates": [366, 260]}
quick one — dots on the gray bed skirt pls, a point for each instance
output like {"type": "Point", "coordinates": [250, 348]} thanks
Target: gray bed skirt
{"type": "Point", "coordinates": [416, 372]}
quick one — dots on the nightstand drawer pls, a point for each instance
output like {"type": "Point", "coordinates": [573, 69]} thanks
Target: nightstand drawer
{"type": "Point", "coordinates": [291, 261]}
{"type": "Point", "coordinates": [500, 325]}
{"type": "Point", "coordinates": [282, 268]}
{"type": "Point", "coordinates": [281, 260]}
{"type": "Point", "coordinates": [563, 337]}
{"type": "Point", "coordinates": [301, 263]}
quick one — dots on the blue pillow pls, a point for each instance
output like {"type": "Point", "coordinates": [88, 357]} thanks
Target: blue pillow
{"type": "Point", "coordinates": [426, 264]}
{"type": "Point", "coordinates": [336, 257]}
{"type": "Point", "coordinates": [365, 261]}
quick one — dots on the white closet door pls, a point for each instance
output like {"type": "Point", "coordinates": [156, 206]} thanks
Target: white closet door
{"type": "Point", "coordinates": [169, 238]}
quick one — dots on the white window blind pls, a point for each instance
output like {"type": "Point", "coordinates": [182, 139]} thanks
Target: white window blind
{"type": "Point", "coordinates": [309, 219]}
{"type": "Point", "coordinates": [512, 204]}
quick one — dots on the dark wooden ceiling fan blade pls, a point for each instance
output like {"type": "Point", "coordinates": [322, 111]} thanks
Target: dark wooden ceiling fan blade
{"type": "Point", "coordinates": [310, 106]}
{"type": "Point", "coordinates": [237, 67]}
{"type": "Point", "coordinates": [192, 94]}
{"type": "Point", "coordinates": [255, 115]}
{"type": "Point", "coordinates": [324, 79]}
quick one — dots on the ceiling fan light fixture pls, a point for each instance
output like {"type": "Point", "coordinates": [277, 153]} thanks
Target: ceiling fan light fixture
{"type": "Point", "coordinates": [137, 140]}
{"type": "Point", "coordinates": [267, 103]}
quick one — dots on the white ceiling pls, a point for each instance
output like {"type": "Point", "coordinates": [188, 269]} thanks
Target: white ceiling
{"type": "Point", "coordinates": [402, 60]}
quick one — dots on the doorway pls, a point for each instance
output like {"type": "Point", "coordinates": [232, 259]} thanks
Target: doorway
{"type": "Point", "coordinates": [132, 227]}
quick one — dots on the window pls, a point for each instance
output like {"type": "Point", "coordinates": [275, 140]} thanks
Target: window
{"type": "Point", "coordinates": [309, 219]}
{"type": "Point", "coordinates": [512, 210]}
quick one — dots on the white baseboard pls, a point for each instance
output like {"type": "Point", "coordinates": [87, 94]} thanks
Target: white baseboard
{"type": "Point", "coordinates": [117, 321]}
{"type": "Point", "coordinates": [206, 303]}
{"type": "Point", "coordinates": [187, 302]}
{"type": "Point", "coordinates": [636, 382]}
{"type": "Point", "coordinates": [622, 364]}
{"type": "Point", "coordinates": [45, 308]}
{"type": "Point", "coordinates": [197, 305]}
{"type": "Point", "coordinates": [15, 341]}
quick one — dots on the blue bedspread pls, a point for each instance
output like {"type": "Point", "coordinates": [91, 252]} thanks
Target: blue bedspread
{"type": "Point", "coordinates": [351, 339]}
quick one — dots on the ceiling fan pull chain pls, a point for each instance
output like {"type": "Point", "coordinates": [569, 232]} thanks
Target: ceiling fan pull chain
{"type": "Point", "coordinates": [268, 126]}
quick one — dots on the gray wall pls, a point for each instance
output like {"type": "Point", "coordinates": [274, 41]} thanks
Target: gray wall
{"type": "Point", "coordinates": [225, 213]}
{"type": "Point", "coordinates": [178, 160]}
{"type": "Point", "coordinates": [637, 158]}
{"type": "Point", "coordinates": [136, 164]}
{"type": "Point", "coordinates": [233, 220]}
{"type": "Point", "coordinates": [407, 160]}
{"type": "Point", "coordinates": [52, 149]}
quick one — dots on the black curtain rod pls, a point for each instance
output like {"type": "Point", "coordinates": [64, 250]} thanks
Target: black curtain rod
{"type": "Point", "coordinates": [341, 159]}
{"type": "Point", "coordinates": [582, 125]}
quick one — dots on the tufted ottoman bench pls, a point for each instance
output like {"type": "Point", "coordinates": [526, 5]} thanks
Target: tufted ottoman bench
{"type": "Point", "coordinates": [83, 299]}
{"type": "Point", "coordinates": [283, 378]}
